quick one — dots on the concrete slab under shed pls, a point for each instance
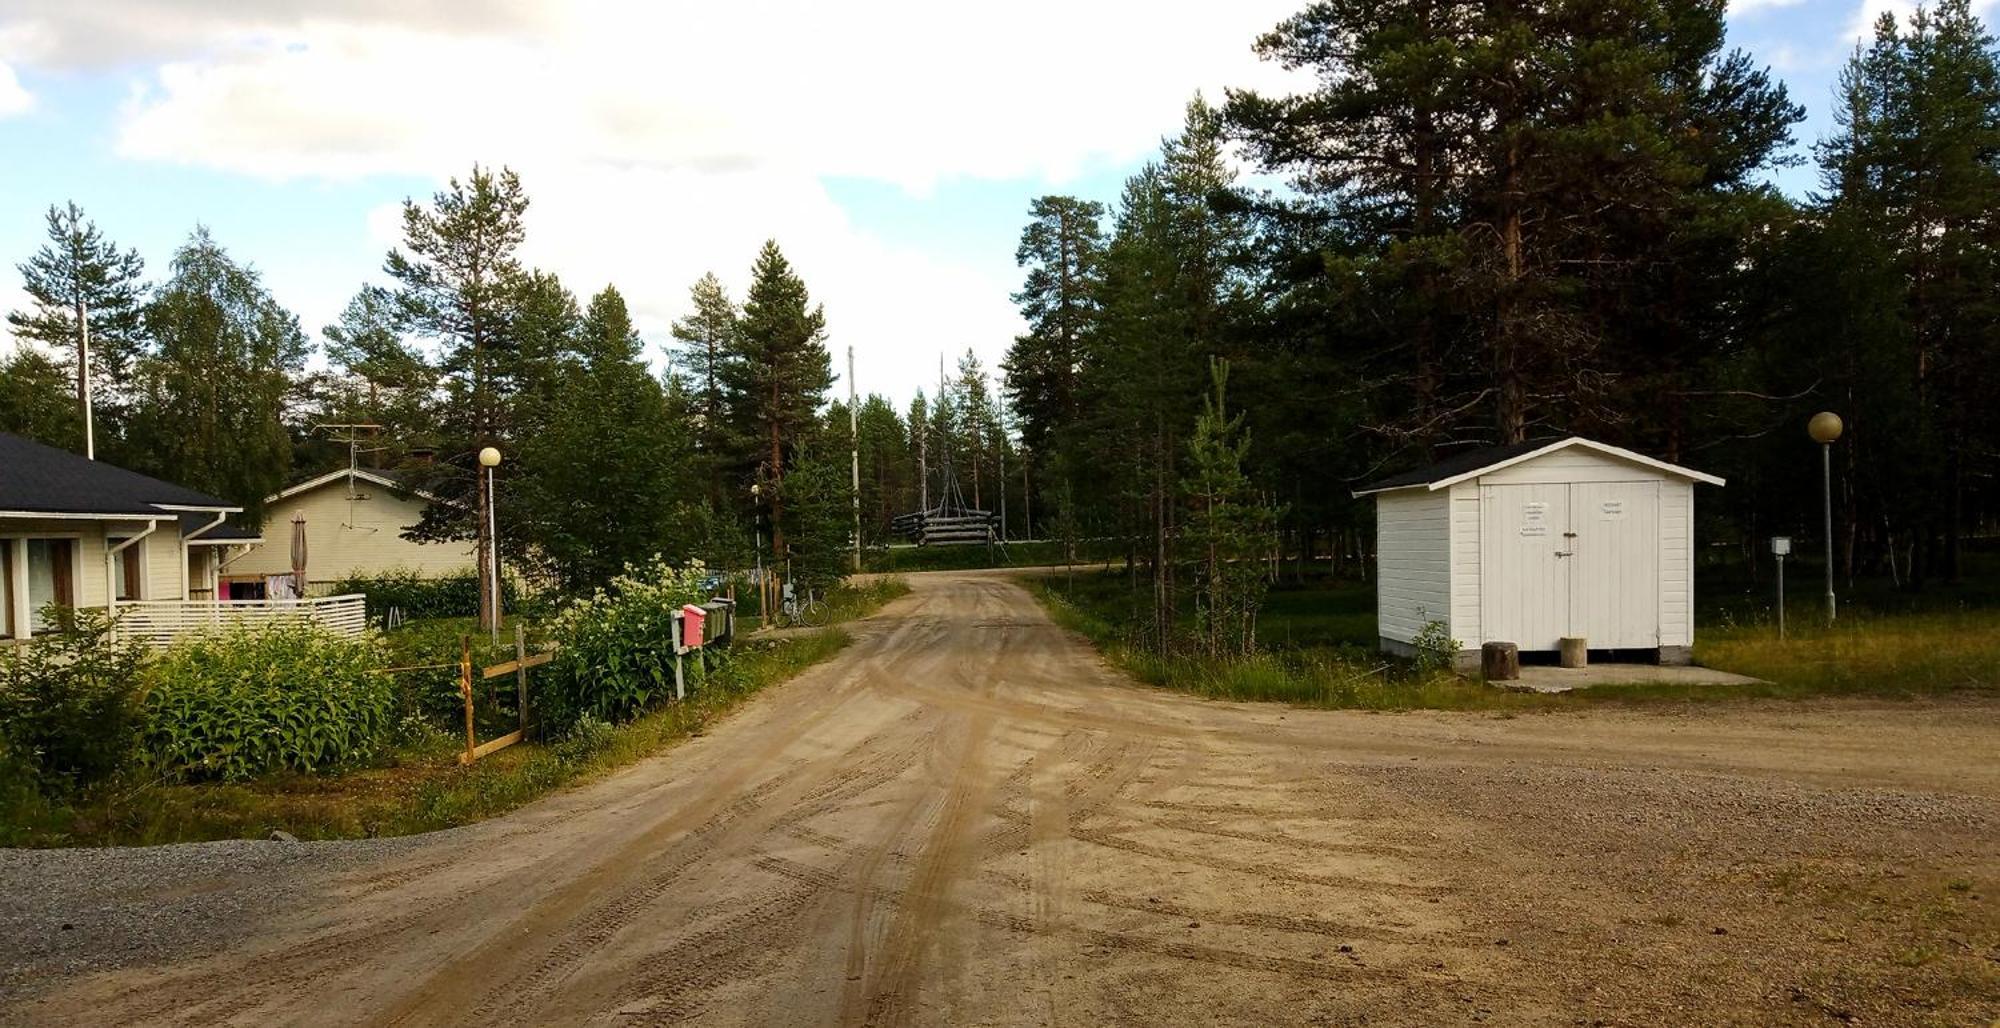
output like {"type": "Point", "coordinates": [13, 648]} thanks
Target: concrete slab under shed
{"type": "Point", "coordinates": [1546, 678]}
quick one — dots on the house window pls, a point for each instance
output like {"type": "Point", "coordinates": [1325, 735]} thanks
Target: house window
{"type": "Point", "coordinates": [51, 577]}
{"type": "Point", "coordinates": [129, 573]}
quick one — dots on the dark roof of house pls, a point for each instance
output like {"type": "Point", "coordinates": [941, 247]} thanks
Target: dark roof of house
{"type": "Point", "coordinates": [232, 529]}
{"type": "Point", "coordinates": [1457, 464]}
{"type": "Point", "coordinates": [46, 480]}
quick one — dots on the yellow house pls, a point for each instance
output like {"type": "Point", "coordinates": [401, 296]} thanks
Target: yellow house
{"type": "Point", "coordinates": [77, 532]}
{"type": "Point", "coordinates": [354, 520]}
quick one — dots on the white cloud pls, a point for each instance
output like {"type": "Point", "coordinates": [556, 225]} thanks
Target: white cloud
{"type": "Point", "coordinates": [13, 98]}
{"type": "Point", "coordinates": [661, 140]}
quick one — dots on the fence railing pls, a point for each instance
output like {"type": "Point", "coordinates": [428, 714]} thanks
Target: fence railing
{"type": "Point", "coordinates": [160, 622]}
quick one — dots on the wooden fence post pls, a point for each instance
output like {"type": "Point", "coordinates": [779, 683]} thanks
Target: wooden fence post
{"type": "Point", "coordinates": [521, 672]}
{"type": "Point", "coordinates": [465, 689]}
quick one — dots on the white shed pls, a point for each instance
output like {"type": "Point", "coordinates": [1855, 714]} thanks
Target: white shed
{"type": "Point", "coordinates": [1535, 542]}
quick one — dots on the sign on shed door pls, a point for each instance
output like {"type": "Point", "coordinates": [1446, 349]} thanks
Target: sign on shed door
{"type": "Point", "coordinates": [1570, 559]}
{"type": "Point", "coordinates": [1524, 587]}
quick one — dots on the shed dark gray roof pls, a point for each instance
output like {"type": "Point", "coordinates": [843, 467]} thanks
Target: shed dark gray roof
{"type": "Point", "coordinates": [45, 480]}
{"type": "Point", "coordinates": [1457, 464]}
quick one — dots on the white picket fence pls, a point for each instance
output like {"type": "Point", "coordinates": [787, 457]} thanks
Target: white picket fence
{"type": "Point", "coordinates": [160, 622]}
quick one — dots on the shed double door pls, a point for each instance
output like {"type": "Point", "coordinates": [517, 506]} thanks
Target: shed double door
{"type": "Point", "coordinates": [1570, 559]}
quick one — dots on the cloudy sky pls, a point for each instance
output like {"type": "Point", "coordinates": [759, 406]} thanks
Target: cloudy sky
{"type": "Point", "coordinates": [890, 147]}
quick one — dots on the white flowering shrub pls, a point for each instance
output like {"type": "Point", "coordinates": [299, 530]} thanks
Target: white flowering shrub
{"type": "Point", "coordinates": [616, 656]}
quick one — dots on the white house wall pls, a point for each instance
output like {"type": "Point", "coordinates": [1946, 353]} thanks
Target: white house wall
{"type": "Point", "coordinates": [1676, 562]}
{"type": "Point", "coordinates": [1465, 564]}
{"type": "Point", "coordinates": [1413, 561]}
{"type": "Point", "coordinates": [364, 538]}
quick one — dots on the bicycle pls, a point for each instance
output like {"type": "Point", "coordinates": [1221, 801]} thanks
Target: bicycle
{"type": "Point", "coordinates": [813, 613]}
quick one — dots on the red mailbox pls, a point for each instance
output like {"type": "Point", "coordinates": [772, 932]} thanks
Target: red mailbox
{"type": "Point", "coordinates": [691, 619]}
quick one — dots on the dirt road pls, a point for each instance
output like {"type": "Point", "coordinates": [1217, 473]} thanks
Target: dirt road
{"type": "Point", "coordinates": [965, 819]}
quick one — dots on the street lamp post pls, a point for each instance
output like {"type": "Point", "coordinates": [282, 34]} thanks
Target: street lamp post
{"type": "Point", "coordinates": [1824, 428]}
{"type": "Point", "coordinates": [757, 521]}
{"type": "Point", "coordinates": [489, 458]}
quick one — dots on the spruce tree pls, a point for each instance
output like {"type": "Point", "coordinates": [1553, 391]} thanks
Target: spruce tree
{"type": "Point", "coordinates": [781, 370]}
{"type": "Point", "coordinates": [707, 337]}
{"type": "Point", "coordinates": [595, 488]}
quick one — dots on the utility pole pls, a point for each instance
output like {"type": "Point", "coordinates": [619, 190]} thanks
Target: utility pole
{"type": "Point", "coordinates": [1001, 411]}
{"type": "Point", "coordinates": [1027, 500]}
{"type": "Point", "coordinates": [83, 370]}
{"type": "Point", "coordinates": [854, 437]}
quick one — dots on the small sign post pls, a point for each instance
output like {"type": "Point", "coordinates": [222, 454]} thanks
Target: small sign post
{"type": "Point", "coordinates": [1781, 547]}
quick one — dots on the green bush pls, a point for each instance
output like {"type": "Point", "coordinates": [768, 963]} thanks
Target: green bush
{"type": "Point", "coordinates": [616, 654]}
{"type": "Point", "coordinates": [422, 596]}
{"type": "Point", "coordinates": [68, 707]}
{"type": "Point", "coordinates": [430, 689]}
{"type": "Point", "coordinates": [284, 699]}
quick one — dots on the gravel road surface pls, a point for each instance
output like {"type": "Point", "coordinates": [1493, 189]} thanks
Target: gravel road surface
{"type": "Point", "coordinates": [964, 818]}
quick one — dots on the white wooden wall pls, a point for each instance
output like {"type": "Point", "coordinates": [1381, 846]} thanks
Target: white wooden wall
{"type": "Point", "coordinates": [1413, 561]}
{"type": "Point", "coordinates": [1466, 564]}
{"type": "Point", "coordinates": [342, 539]}
{"type": "Point", "coordinates": [1676, 562]}
{"type": "Point", "coordinates": [1462, 583]}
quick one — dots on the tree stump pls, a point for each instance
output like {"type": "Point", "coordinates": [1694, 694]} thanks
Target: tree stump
{"type": "Point", "coordinates": [1575, 652]}
{"type": "Point", "coordinates": [1500, 662]}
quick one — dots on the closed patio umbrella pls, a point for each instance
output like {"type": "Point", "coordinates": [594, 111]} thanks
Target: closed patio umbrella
{"type": "Point", "coordinates": [299, 554]}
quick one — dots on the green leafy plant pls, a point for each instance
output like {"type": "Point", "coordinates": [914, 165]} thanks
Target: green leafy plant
{"type": "Point", "coordinates": [67, 701]}
{"type": "Point", "coordinates": [616, 655]}
{"type": "Point", "coordinates": [248, 703]}
{"type": "Point", "coordinates": [1436, 649]}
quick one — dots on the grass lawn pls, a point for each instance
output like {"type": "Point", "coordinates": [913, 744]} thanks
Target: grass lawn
{"type": "Point", "coordinates": [1318, 649]}
{"type": "Point", "coordinates": [421, 786]}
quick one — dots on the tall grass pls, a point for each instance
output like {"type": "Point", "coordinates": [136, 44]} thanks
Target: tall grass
{"type": "Point", "coordinates": [1865, 652]}
{"type": "Point", "coordinates": [1318, 652]}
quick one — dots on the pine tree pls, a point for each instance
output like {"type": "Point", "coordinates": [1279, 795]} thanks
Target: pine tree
{"type": "Point", "coordinates": [460, 283]}
{"type": "Point", "coordinates": [80, 270]}
{"type": "Point", "coordinates": [1229, 532]}
{"type": "Point", "coordinates": [213, 393]}
{"type": "Point", "coordinates": [708, 342]}
{"type": "Point", "coordinates": [1913, 175]}
{"type": "Point", "coordinates": [781, 371]}
{"type": "Point", "coordinates": [976, 429]}
{"type": "Point", "coordinates": [378, 377]}
{"type": "Point", "coordinates": [1063, 249]}
{"type": "Point", "coordinates": [1493, 191]}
